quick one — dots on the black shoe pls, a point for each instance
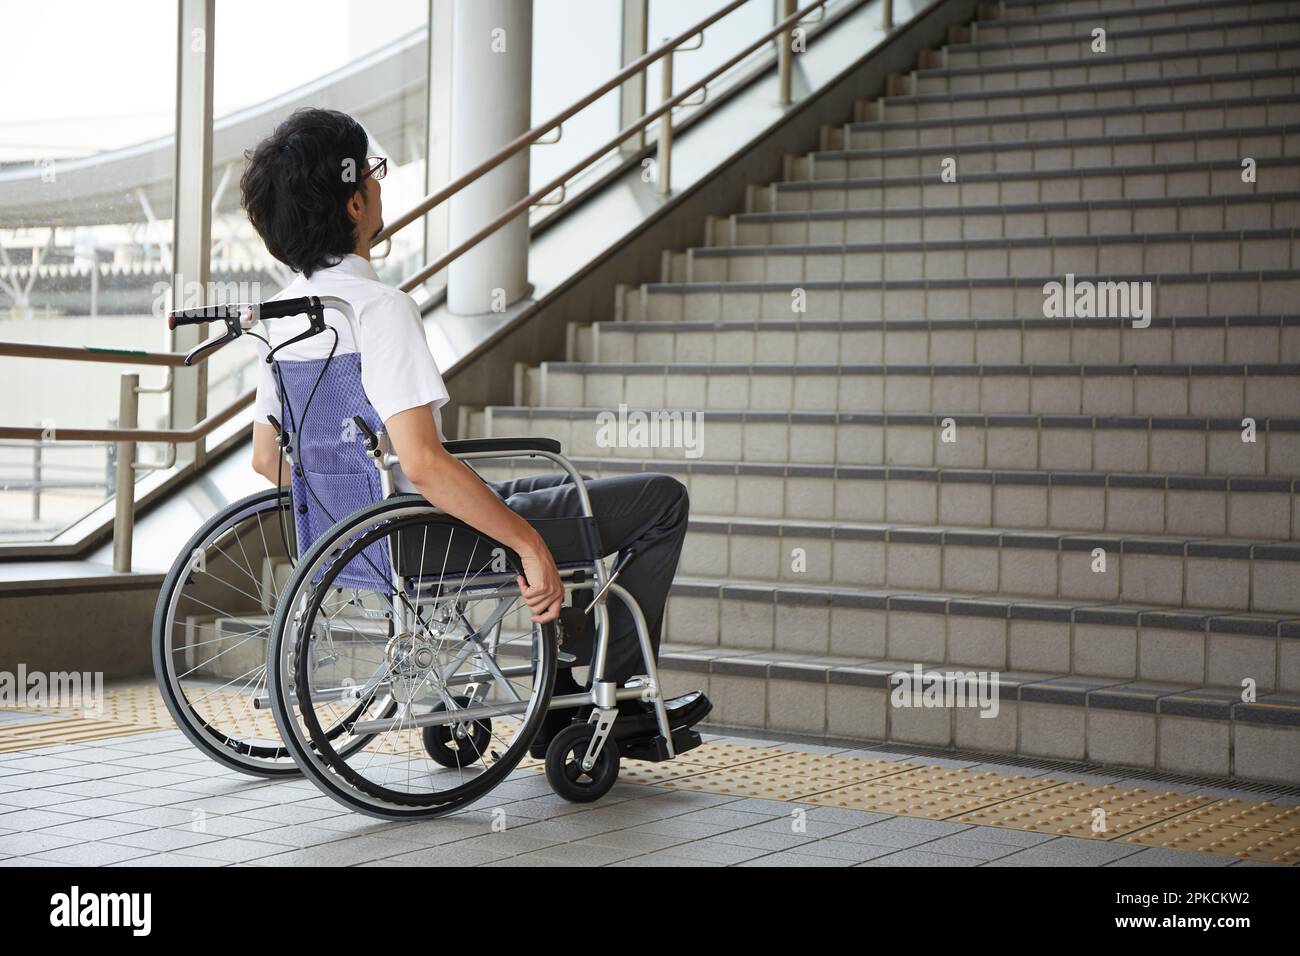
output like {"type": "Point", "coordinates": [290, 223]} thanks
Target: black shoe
{"type": "Point", "coordinates": [638, 721]}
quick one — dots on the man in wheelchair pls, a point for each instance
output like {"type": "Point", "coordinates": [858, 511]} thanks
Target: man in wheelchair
{"type": "Point", "coordinates": [320, 222]}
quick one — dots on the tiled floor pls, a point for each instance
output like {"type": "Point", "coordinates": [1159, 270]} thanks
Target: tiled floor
{"type": "Point", "coordinates": [152, 799]}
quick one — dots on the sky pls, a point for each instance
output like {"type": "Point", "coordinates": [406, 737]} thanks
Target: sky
{"type": "Point", "coordinates": [93, 78]}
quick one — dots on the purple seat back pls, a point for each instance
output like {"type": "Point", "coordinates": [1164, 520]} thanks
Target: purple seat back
{"type": "Point", "coordinates": [334, 475]}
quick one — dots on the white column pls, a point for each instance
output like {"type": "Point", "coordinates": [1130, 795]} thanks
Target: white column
{"type": "Point", "coordinates": [491, 86]}
{"type": "Point", "coordinates": [191, 208]}
{"type": "Point", "coordinates": [437, 169]}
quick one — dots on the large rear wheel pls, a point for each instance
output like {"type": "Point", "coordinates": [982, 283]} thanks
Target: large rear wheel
{"type": "Point", "coordinates": [401, 601]}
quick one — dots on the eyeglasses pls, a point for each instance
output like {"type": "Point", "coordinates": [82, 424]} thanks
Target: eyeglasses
{"type": "Point", "coordinates": [377, 168]}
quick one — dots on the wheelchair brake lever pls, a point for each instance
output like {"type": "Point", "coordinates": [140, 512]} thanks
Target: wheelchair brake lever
{"type": "Point", "coordinates": [316, 324]}
{"type": "Point", "coordinates": [281, 436]}
{"type": "Point", "coordinates": [624, 560]}
{"type": "Point", "coordinates": [369, 438]}
{"type": "Point", "coordinates": [234, 317]}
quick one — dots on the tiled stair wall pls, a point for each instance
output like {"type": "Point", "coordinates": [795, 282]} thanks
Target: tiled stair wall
{"type": "Point", "coordinates": [923, 468]}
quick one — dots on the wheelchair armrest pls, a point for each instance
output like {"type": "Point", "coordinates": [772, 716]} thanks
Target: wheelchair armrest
{"type": "Point", "coordinates": [465, 446]}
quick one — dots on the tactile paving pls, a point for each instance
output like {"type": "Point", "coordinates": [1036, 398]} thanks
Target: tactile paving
{"type": "Point", "coordinates": [1246, 843]}
{"type": "Point", "coordinates": [931, 804]}
{"type": "Point", "coordinates": [69, 730]}
{"type": "Point", "coordinates": [1113, 799]}
{"type": "Point", "coordinates": [836, 770]}
{"type": "Point", "coordinates": [996, 786]}
{"type": "Point", "coordinates": [718, 754]}
{"type": "Point", "coordinates": [644, 771]}
{"type": "Point", "coordinates": [1234, 812]}
{"type": "Point", "coordinates": [744, 782]}
{"type": "Point", "coordinates": [1061, 820]}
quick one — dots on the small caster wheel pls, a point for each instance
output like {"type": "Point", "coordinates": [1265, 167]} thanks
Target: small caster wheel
{"type": "Point", "coordinates": [454, 746]}
{"type": "Point", "coordinates": [564, 765]}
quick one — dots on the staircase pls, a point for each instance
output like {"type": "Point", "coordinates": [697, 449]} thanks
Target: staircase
{"type": "Point", "coordinates": [907, 460]}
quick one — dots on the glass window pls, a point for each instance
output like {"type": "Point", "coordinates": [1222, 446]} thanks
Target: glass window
{"type": "Point", "coordinates": [85, 235]}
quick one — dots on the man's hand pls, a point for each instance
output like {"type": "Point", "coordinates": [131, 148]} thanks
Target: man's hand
{"type": "Point", "coordinates": [543, 591]}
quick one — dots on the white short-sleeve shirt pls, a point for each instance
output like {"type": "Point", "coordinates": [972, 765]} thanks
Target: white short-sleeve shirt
{"type": "Point", "coordinates": [397, 369]}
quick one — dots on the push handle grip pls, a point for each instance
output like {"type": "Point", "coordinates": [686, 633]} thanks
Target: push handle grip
{"type": "Point", "coordinates": [221, 313]}
{"type": "Point", "coordinates": [281, 308]}
{"type": "Point", "coordinates": [208, 313]}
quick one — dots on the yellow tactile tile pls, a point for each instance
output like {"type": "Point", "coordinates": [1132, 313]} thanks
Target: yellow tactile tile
{"type": "Point", "coordinates": [996, 786]}
{"type": "Point", "coordinates": [931, 804]}
{"type": "Point", "coordinates": [69, 730]}
{"type": "Point", "coordinates": [1060, 820]}
{"type": "Point", "coordinates": [717, 754]}
{"type": "Point", "coordinates": [1246, 843]}
{"type": "Point", "coordinates": [836, 770]}
{"type": "Point", "coordinates": [1234, 812]}
{"type": "Point", "coordinates": [1136, 801]}
{"type": "Point", "coordinates": [746, 783]}
{"type": "Point", "coordinates": [643, 771]}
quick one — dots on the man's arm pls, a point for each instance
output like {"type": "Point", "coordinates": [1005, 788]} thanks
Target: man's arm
{"type": "Point", "coordinates": [448, 484]}
{"type": "Point", "coordinates": [268, 460]}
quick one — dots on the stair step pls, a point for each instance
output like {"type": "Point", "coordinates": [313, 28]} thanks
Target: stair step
{"type": "Point", "coordinates": [1082, 123]}
{"type": "Point", "coordinates": [1271, 54]}
{"type": "Point", "coordinates": [1202, 30]}
{"type": "Point", "coordinates": [1082, 639]}
{"type": "Point", "coordinates": [1032, 8]}
{"type": "Point", "coordinates": [1265, 509]}
{"type": "Point", "coordinates": [1139, 444]}
{"type": "Point", "coordinates": [944, 221]}
{"type": "Point", "coordinates": [1218, 293]}
{"type": "Point", "coordinates": [1223, 145]}
{"type": "Point", "coordinates": [1171, 727]}
{"type": "Point", "coordinates": [1154, 253]}
{"type": "Point", "coordinates": [1159, 18]}
{"type": "Point", "coordinates": [1210, 390]}
{"type": "Point", "coordinates": [1157, 90]}
{"type": "Point", "coordinates": [1196, 340]}
{"type": "Point", "coordinates": [1164, 571]}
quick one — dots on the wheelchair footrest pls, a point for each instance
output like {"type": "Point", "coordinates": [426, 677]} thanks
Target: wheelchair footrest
{"type": "Point", "coordinates": [655, 749]}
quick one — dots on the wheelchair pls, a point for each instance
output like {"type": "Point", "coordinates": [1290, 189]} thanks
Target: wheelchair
{"type": "Point", "coordinates": [372, 642]}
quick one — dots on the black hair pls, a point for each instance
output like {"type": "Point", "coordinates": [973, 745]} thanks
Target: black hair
{"type": "Point", "coordinates": [296, 187]}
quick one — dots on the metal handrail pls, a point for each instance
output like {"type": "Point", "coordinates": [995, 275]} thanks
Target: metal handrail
{"type": "Point", "coordinates": [127, 435]}
{"type": "Point", "coordinates": [91, 353]}
{"type": "Point", "coordinates": [172, 436]}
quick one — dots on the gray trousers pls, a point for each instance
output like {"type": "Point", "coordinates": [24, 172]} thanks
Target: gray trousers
{"type": "Point", "coordinates": [646, 511]}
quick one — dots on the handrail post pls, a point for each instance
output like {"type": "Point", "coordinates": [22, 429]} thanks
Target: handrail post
{"type": "Point", "coordinates": [128, 415]}
{"type": "Point", "coordinates": [888, 20]}
{"type": "Point", "coordinates": [785, 54]}
{"type": "Point", "coordinates": [666, 125]}
{"type": "Point", "coordinates": [36, 481]}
